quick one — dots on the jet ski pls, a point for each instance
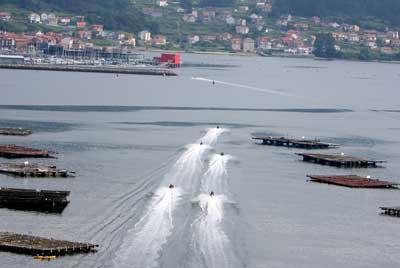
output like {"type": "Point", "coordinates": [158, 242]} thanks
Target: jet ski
{"type": "Point", "coordinates": [171, 186]}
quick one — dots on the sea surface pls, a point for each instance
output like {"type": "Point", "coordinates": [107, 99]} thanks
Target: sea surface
{"type": "Point", "coordinates": [129, 137]}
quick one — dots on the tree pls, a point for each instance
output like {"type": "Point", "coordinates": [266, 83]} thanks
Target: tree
{"type": "Point", "coordinates": [187, 4]}
{"type": "Point", "coordinates": [324, 46]}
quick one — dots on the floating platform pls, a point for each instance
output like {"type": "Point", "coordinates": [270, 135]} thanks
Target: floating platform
{"type": "Point", "coordinates": [341, 161]}
{"type": "Point", "coordinates": [14, 151]}
{"type": "Point", "coordinates": [39, 246]}
{"type": "Point", "coordinates": [15, 131]}
{"type": "Point", "coordinates": [391, 211]}
{"type": "Point", "coordinates": [353, 181]}
{"type": "Point", "coordinates": [294, 143]}
{"type": "Point", "coordinates": [34, 200]}
{"type": "Point", "coordinates": [33, 170]}
{"type": "Point", "coordinates": [90, 69]}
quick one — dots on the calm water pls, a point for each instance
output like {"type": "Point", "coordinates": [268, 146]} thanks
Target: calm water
{"type": "Point", "coordinates": [264, 212]}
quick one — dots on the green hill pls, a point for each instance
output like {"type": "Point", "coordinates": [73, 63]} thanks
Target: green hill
{"type": "Point", "coordinates": [350, 10]}
{"type": "Point", "coordinates": [114, 14]}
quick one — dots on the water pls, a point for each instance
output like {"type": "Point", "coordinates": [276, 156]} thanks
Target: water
{"type": "Point", "coordinates": [147, 134]}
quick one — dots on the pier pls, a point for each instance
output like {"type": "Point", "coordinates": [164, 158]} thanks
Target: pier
{"type": "Point", "coordinates": [340, 161]}
{"type": "Point", "coordinates": [391, 211]}
{"type": "Point", "coordinates": [33, 170]}
{"type": "Point", "coordinates": [294, 143]}
{"type": "Point", "coordinates": [33, 200]}
{"type": "Point", "coordinates": [353, 181]}
{"type": "Point", "coordinates": [90, 69]}
{"type": "Point", "coordinates": [40, 246]}
{"type": "Point", "coordinates": [14, 151]}
{"type": "Point", "coordinates": [15, 131]}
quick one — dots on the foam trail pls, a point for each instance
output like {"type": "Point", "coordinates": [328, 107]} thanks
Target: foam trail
{"type": "Point", "coordinates": [212, 136]}
{"type": "Point", "coordinates": [269, 91]}
{"type": "Point", "coordinates": [142, 246]}
{"type": "Point", "coordinates": [187, 170]}
{"type": "Point", "coordinates": [216, 177]}
{"type": "Point", "coordinates": [211, 243]}
{"type": "Point", "coordinates": [151, 232]}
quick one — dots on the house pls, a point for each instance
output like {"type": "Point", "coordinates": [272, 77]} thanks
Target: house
{"type": "Point", "coordinates": [52, 19]}
{"type": "Point", "coordinates": [392, 35]}
{"type": "Point", "coordinates": [145, 36]}
{"type": "Point", "coordinates": [5, 16]}
{"type": "Point", "coordinates": [129, 42]}
{"type": "Point", "coordinates": [6, 41]}
{"type": "Point", "coordinates": [236, 44]}
{"type": "Point", "coordinates": [85, 34]}
{"type": "Point", "coordinates": [387, 50]}
{"type": "Point", "coordinates": [225, 36]}
{"type": "Point", "coordinates": [193, 39]}
{"type": "Point", "coordinates": [67, 42]}
{"type": "Point", "coordinates": [159, 40]}
{"type": "Point", "coordinates": [34, 18]}
{"type": "Point", "coordinates": [241, 22]}
{"type": "Point", "coordinates": [120, 36]}
{"type": "Point", "coordinates": [97, 28]}
{"type": "Point", "coordinates": [208, 15]}
{"type": "Point", "coordinates": [264, 6]}
{"type": "Point", "coordinates": [64, 21]}
{"type": "Point", "coordinates": [243, 8]}
{"type": "Point", "coordinates": [80, 24]}
{"type": "Point", "coordinates": [162, 3]}
{"type": "Point", "coordinates": [230, 20]}
{"type": "Point", "coordinates": [316, 20]}
{"type": "Point", "coordinates": [248, 45]}
{"type": "Point", "coordinates": [264, 42]}
{"type": "Point", "coordinates": [353, 37]}
{"type": "Point", "coordinates": [208, 38]}
{"type": "Point", "coordinates": [44, 17]}
{"type": "Point", "coordinates": [242, 29]}
{"type": "Point", "coordinates": [189, 17]}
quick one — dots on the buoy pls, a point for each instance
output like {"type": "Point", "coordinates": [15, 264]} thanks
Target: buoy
{"type": "Point", "coordinates": [222, 154]}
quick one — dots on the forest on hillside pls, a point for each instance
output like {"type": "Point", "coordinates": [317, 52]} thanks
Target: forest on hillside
{"type": "Point", "coordinates": [386, 10]}
{"type": "Point", "coordinates": [114, 14]}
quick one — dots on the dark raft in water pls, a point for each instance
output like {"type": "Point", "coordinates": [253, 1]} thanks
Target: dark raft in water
{"type": "Point", "coordinates": [14, 151]}
{"type": "Point", "coordinates": [40, 246]}
{"type": "Point", "coordinates": [340, 161]}
{"type": "Point", "coordinates": [34, 200]}
{"type": "Point", "coordinates": [353, 181]}
{"type": "Point", "coordinates": [33, 170]}
{"type": "Point", "coordinates": [294, 143]}
{"type": "Point", "coordinates": [15, 131]}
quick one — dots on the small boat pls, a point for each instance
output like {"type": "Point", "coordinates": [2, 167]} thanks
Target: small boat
{"type": "Point", "coordinates": [45, 258]}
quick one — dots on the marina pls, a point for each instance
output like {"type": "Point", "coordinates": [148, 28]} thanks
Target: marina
{"type": "Point", "coordinates": [40, 246]}
{"type": "Point", "coordinates": [353, 181]}
{"type": "Point", "coordinates": [90, 69]}
{"type": "Point", "coordinates": [294, 143]}
{"type": "Point", "coordinates": [340, 160]}
{"type": "Point", "coordinates": [15, 131]}
{"type": "Point", "coordinates": [14, 151]}
{"type": "Point", "coordinates": [33, 170]}
{"type": "Point", "coordinates": [34, 200]}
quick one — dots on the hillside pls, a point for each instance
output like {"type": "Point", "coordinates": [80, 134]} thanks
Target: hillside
{"type": "Point", "coordinates": [350, 10]}
{"type": "Point", "coordinates": [114, 14]}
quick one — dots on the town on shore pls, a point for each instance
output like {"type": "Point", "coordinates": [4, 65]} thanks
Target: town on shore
{"type": "Point", "coordinates": [247, 28]}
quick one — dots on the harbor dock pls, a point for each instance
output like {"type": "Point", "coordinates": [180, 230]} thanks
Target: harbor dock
{"type": "Point", "coordinates": [14, 151]}
{"type": "Point", "coordinates": [90, 69]}
{"type": "Point", "coordinates": [353, 181]}
{"type": "Point", "coordinates": [391, 211]}
{"type": "Point", "coordinates": [39, 246]}
{"type": "Point", "coordinates": [294, 143]}
{"type": "Point", "coordinates": [340, 161]}
{"type": "Point", "coordinates": [15, 131]}
{"type": "Point", "coordinates": [34, 200]}
{"type": "Point", "coordinates": [33, 170]}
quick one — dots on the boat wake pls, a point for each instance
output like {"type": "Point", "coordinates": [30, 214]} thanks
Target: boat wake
{"type": "Point", "coordinates": [216, 177]}
{"type": "Point", "coordinates": [212, 247]}
{"type": "Point", "coordinates": [143, 244]}
{"type": "Point", "coordinates": [151, 232]}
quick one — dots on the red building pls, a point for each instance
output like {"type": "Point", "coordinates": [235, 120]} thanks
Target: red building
{"type": "Point", "coordinates": [171, 58]}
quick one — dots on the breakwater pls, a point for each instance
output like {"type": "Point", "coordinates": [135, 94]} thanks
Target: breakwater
{"type": "Point", "coordinates": [90, 69]}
